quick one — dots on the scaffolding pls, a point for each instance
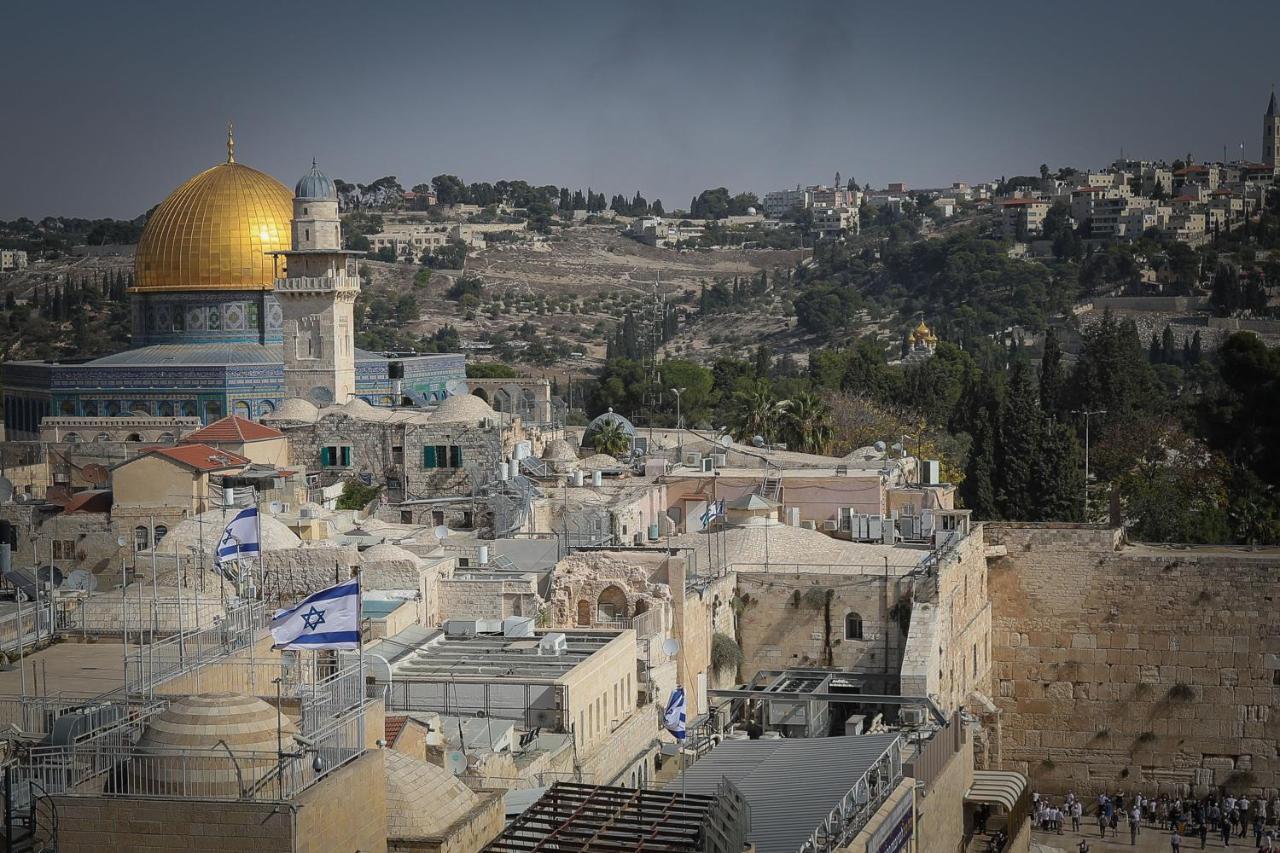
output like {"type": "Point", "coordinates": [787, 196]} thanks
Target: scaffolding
{"type": "Point", "coordinates": [577, 818]}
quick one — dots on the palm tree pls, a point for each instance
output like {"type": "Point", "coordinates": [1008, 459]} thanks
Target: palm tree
{"type": "Point", "coordinates": [612, 439]}
{"type": "Point", "coordinates": [756, 412]}
{"type": "Point", "coordinates": [806, 423]}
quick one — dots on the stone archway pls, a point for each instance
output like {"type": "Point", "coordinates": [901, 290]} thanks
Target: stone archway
{"type": "Point", "coordinates": [481, 393]}
{"type": "Point", "coordinates": [612, 604]}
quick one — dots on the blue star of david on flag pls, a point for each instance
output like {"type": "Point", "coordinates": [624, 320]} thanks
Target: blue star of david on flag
{"type": "Point", "coordinates": [328, 619]}
{"type": "Point", "coordinates": [313, 618]}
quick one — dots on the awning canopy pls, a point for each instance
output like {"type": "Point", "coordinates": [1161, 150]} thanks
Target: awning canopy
{"type": "Point", "coordinates": [1001, 787]}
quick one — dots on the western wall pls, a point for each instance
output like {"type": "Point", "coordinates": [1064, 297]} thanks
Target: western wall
{"type": "Point", "coordinates": [1127, 667]}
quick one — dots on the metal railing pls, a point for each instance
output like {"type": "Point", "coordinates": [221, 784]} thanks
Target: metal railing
{"type": "Point", "coordinates": [110, 763]}
{"type": "Point", "coordinates": [328, 698]}
{"type": "Point", "coordinates": [154, 663]}
{"type": "Point", "coordinates": [856, 807]}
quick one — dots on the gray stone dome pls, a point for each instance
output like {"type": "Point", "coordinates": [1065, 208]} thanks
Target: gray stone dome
{"type": "Point", "coordinates": [315, 184]}
{"type": "Point", "coordinates": [609, 417]}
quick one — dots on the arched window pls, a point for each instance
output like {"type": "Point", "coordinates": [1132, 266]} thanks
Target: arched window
{"type": "Point", "coordinates": [266, 407]}
{"type": "Point", "coordinates": [160, 532]}
{"type": "Point", "coordinates": [241, 410]}
{"type": "Point", "coordinates": [71, 438]}
{"type": "Point", "coordinates": [133, 436]}
{"type": "Point", "coordinates": [102, 436]}
{"type": "Point", "coordinates": [166, 438]}
{"type": "Point", "coordinates": [213, 410]}
{"type": "Point", "coordinates": [141, 538]}
{"type": "Point", "coordinates": [852, 626]}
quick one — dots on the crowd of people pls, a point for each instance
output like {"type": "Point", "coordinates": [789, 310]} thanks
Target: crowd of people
{"type": "Point", "coordinates": [1185, 819]}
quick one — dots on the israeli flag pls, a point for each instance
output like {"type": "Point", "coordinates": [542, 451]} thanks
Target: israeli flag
{"type": "Point", "coordinates": [239, 540]}
{"type": "Point", "coordinates": [714, 510]}
{"type": "Point", "coordinates": [328, 619]}
{"type": "Point", "coordinates": [673, 718]}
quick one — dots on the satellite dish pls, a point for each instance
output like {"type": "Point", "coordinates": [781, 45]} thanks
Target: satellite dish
{"type": "Point", "coordinates": [879, 446]}
{"type": "Point", "coordinates": [442, 533]}
{"type": "Point", "coordinates": [49, 574]}
{"type": "Point", "coordinates": [757, 440]}
{"type": "Point", "coordinates": [455, 761]}
{"type": "Point", "coordinates": [96, 474]}
{"type": "Point", "coordinates": [725, 440]}
{"type": "Point", "coordinates": [456, 387]}
{"type": "Point", "coordinates": [670, 646]}
{"type": "Point", "coordinates": [81, 579]}
{"type": "Point", "coordinates": [6, 490]}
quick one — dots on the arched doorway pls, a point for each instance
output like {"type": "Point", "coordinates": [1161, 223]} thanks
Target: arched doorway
{"type": "Point", "coordinates": [611, 605]}
{"type": "Point", "coordinates": [242, 410]}
{"type": "Point", "coordinates": [481, 393]}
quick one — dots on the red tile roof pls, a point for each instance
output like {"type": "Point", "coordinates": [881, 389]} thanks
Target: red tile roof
{"type": "Point", "coordinates": [202, 457]}
{"type": "Point", "coordinates": [233, 428]}
{"type": "Point", "coordinates": [392, 728]}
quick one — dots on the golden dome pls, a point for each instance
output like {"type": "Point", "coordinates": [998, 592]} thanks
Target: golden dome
{"type": "Point", "coordinates": [213, 233]}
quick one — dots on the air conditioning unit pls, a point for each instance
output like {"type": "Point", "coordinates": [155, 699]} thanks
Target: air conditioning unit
{"type": "Point", "coordinates": [693, 459]}
{"type": "Point", "coordinates": [313, 481]}
{"type": "Point", "coordinates": [277, 483]}
{"type": "Point", "coordinates": [809, 524]}
{"type": "Point", "coordinates": [708, 465]}
{"type": "Point", "coordinates": [460, 627]}
{"type": "Point", "coordinates": [721, 459]}
{"type": "Point", "coordinates": [911, 715]}
{"type": "Point", "coordinates": [930, 472]}
{"type": "Point", "coordinates": [830, 526]}
{"type": "Point", "coordinates": [307, 512]}
{"type": "Point", "coordinates": [553, 644]}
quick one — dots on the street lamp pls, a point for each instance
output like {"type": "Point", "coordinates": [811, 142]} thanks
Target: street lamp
{"type": "Point", "coordinates": [679, 421]}
{"type": "Point", "coordinates": [1087, 414]}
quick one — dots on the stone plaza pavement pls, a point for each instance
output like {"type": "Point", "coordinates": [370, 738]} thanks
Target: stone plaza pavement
{"type": "Point", "coordinates": [1150, 840]}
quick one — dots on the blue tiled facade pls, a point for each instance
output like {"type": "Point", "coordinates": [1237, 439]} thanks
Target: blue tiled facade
{"type": "Point", "coordinates": [203, 381]}
{"type": "Point", "coordinates": [206, 318]}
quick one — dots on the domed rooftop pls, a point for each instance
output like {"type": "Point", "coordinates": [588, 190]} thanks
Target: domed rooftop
{"type": "Point", "coordinates": [609, 417]}
{"type": "Point", "coordinates": [358, 407]}
{"type": "Point", "coordinates": [386, 552]}
{"type": "Point", "coordinates": [195, 727]}
{"type": "Point", "coordinates": [315, 184]}
{"type": "Point", "coordinates": [463, 407]}
{"type": "Point", "coordinates": [209, 525]}
{"type": "Point", "coordinates": [423, 799]}
{"type": "Point", "coordinates": [294, 409]}
{"type": "Point", "coordinates": [559, 450]}
{"type": "Point", "coordinates": [214, 232]}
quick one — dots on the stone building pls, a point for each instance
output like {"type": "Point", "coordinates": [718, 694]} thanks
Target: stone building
{"type": "Point", "coordinates": [430, 463]}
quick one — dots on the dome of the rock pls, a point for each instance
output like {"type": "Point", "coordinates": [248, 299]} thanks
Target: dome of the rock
{"type": "Point", "coordinates": [215, 232]}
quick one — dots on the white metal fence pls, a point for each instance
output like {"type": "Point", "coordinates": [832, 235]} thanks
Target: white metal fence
{"type": "Point", "coordinates": [149, 665]}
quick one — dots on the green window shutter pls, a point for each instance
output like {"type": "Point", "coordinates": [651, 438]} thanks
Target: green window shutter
{"type": "Point", "coordinates": [346, 457]}
{"type": "Point", "coordinates": [455, 456]}
{"type": "Point", "coordinates": [326, 456]}
{"type": "Point", "coordinates": [428, 457]}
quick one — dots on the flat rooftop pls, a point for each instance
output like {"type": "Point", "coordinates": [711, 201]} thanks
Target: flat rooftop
{"type": "Point", "coordinates": [82, 670]}
{"type": "Point", "coordinates": [426, 654]}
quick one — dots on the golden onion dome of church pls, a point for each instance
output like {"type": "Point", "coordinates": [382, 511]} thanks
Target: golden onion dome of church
{"type": "Point", "coordinates": [922, 334]}
{"type": "Point", "coordinates": [214, 232]}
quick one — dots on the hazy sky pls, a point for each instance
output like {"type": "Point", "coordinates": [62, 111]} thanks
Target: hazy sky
{"type": "Point", "coordinates": [109, 105]}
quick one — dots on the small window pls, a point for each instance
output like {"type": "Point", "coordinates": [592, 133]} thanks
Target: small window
{"type": "Point", "coordinates": [455, 456]}
{"type": "Point", "coordinates": [141, 538]}
{"type": "Point", "coordinates": [406, 516]}
{"type": "Point", "coordinates": [852, 626]}
{"type": "Point", "coordinates": [437, 517]}
{"type": "Point", "coordinates": [160, 532]}
{"type": "Point", "coordinates": [336, 456]}
{"type": "Point", "coordinates": [468, 519]}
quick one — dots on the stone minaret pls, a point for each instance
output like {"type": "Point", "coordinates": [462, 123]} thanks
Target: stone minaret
{"type": "Point", "coordinates": [1271, 134]}
{"type": "Point", "coordinates": [318, 299]}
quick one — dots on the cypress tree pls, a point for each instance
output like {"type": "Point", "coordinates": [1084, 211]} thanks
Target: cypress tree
{"type": "Point", "coordinates": [1019, 441]}
{"type": "Point", "coordinates": [1051, 374]}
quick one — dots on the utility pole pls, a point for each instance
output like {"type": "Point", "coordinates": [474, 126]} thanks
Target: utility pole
{"type": "Point", "coordinates": [1087, 415]}
{"type": "Point", "coordinates": [679, 421]}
